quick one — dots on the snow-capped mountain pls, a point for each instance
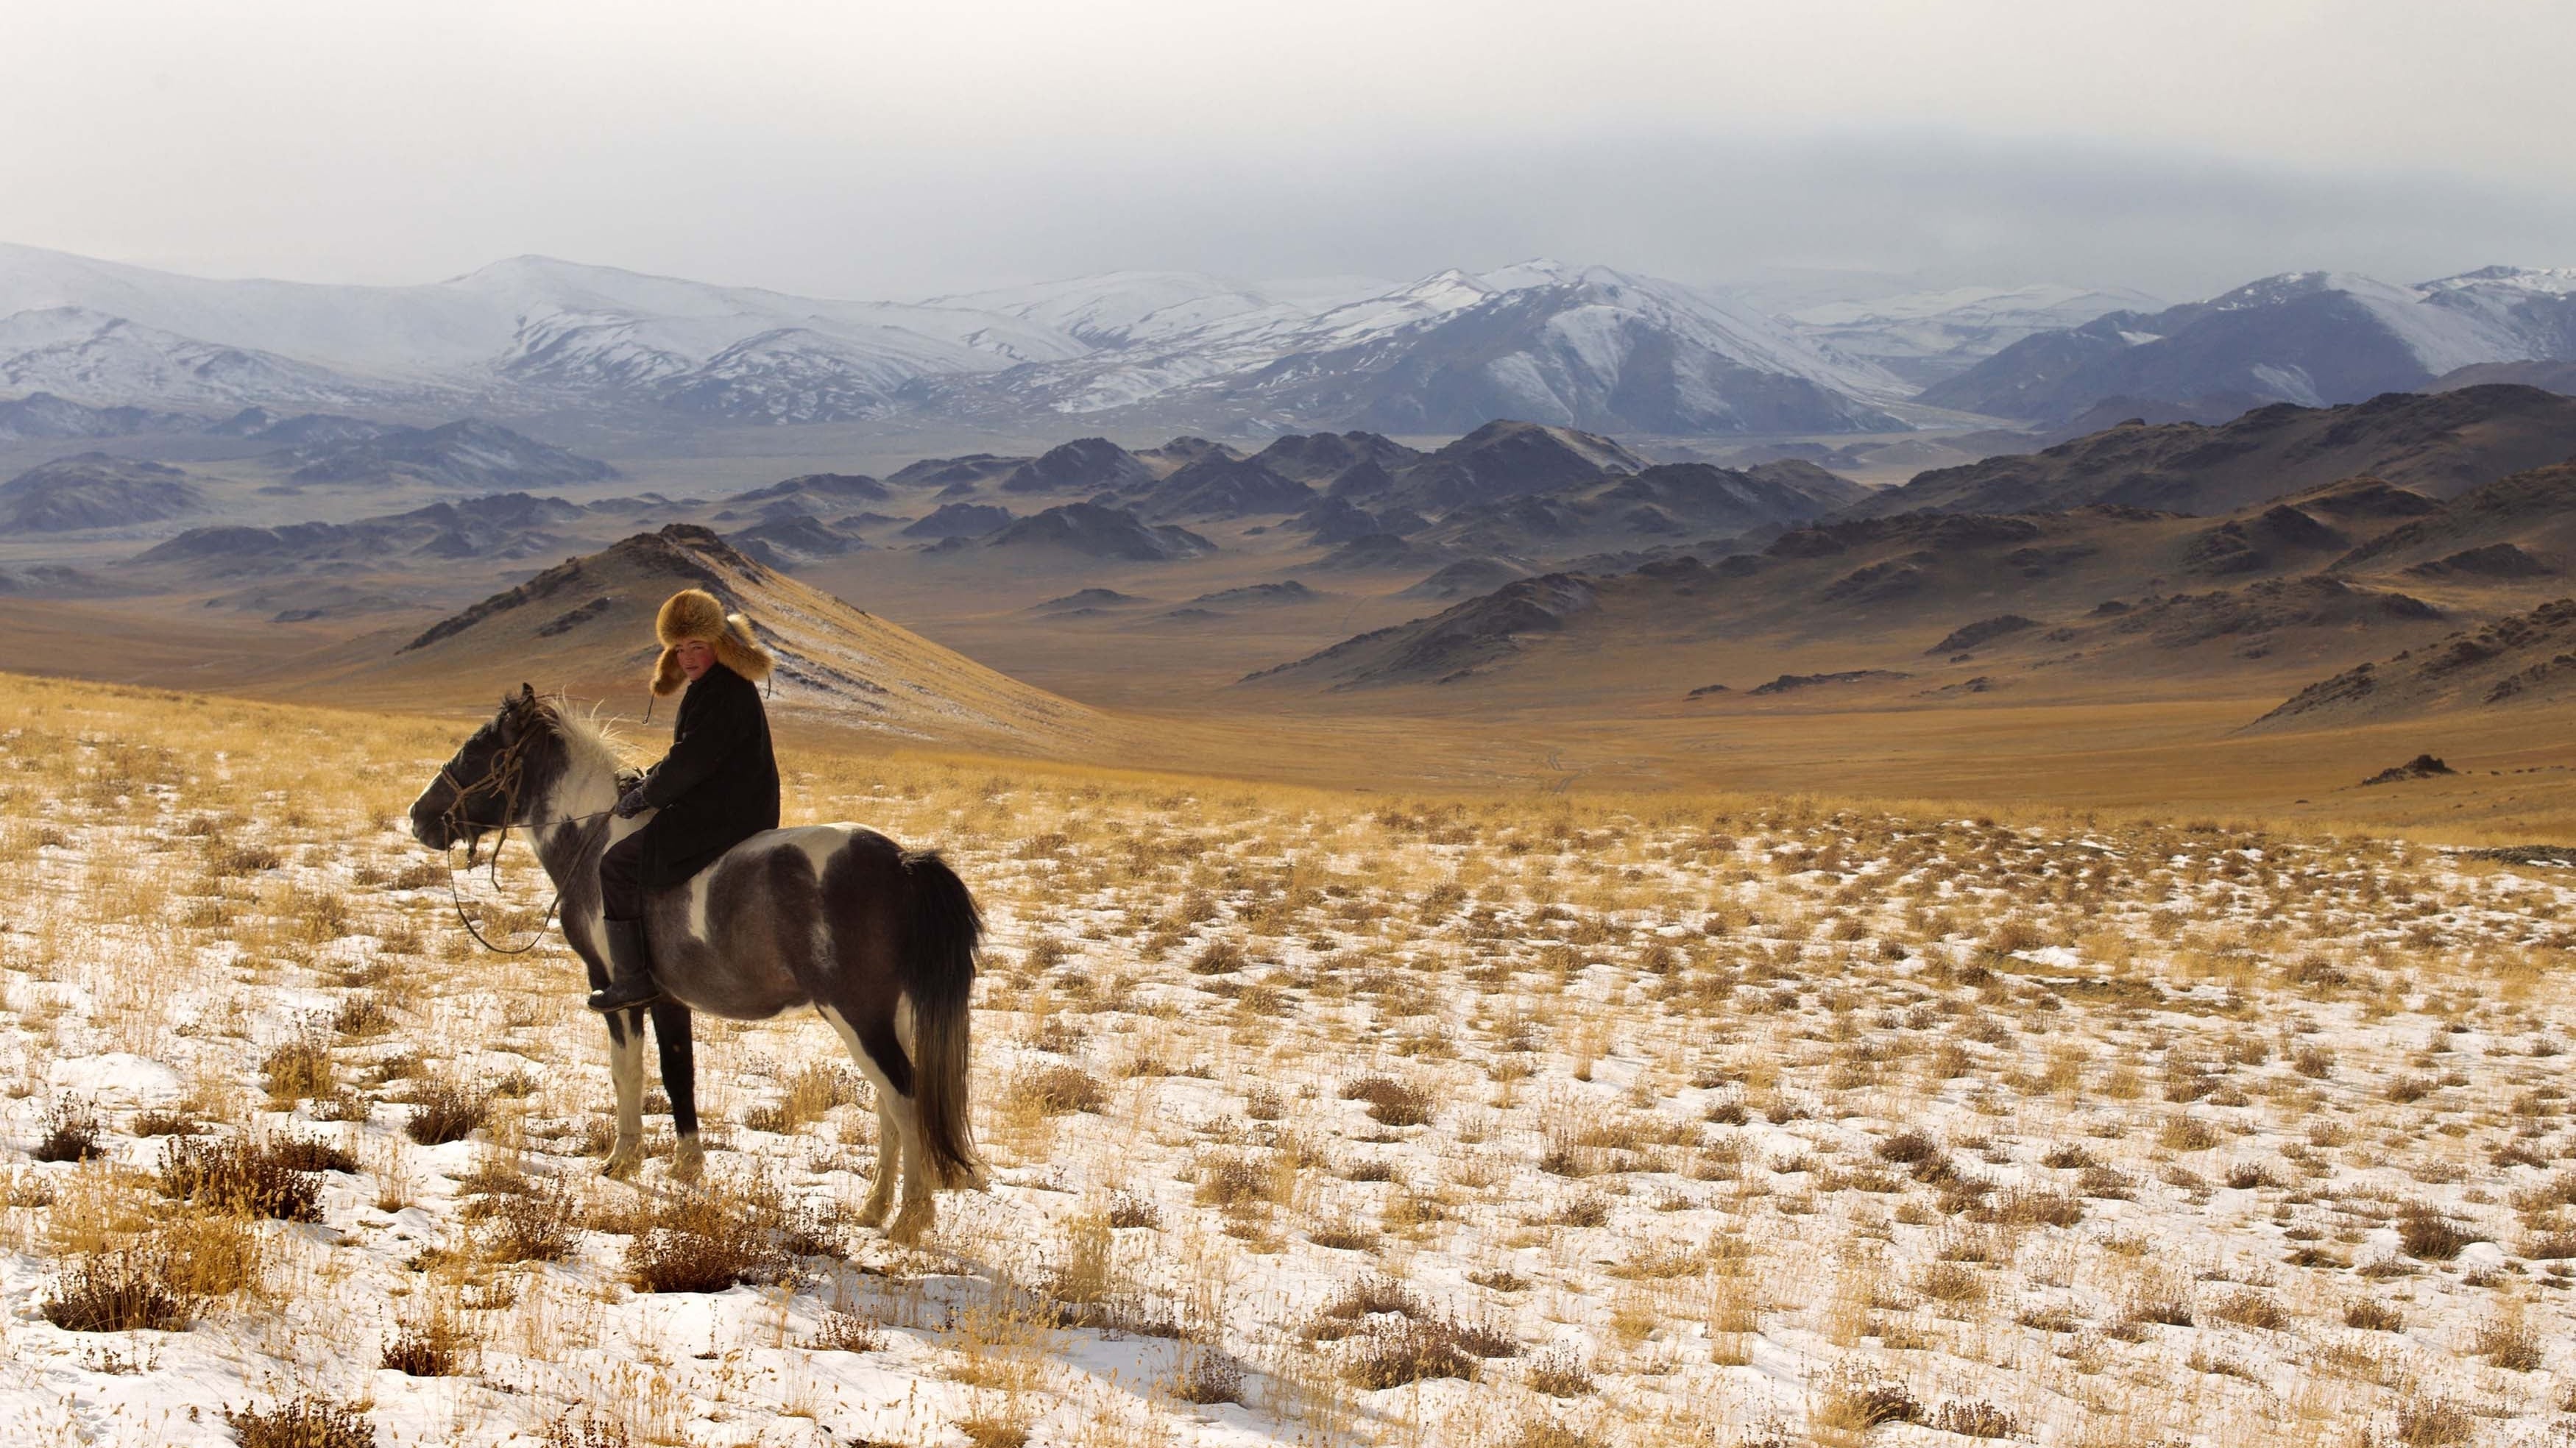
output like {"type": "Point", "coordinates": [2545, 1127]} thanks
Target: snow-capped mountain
{"type": "Point", "coordinates": [1925, 336]}
{"type": "Point", "coordinates": [1576, 346]}
{"type": "Point", "coordinates": [2314, 338]}
{"type": "Point", "coordinates": [73, 352]}
{"type": "Point", "coordinates": [527, 333]}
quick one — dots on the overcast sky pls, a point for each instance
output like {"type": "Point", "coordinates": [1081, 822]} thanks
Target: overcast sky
{"type": "Point", "coordinates": [857, 149]}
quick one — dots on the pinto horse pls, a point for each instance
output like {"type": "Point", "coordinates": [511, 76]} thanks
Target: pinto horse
{"type": "Point", "coordinates": [880, 940]}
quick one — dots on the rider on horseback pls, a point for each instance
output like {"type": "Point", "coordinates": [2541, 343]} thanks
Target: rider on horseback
{"type": "Point", "coordinates": [717, 787]}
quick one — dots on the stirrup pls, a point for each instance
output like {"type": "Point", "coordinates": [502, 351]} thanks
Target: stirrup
{"type": "Point", "coordinates": [624, 994]}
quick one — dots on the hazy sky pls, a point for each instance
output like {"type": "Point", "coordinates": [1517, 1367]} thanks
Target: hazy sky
{"type": "Point", "coordinates": [857, 149]}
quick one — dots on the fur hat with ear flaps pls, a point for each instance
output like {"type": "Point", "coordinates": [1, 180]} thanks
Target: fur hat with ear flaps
{"type": "Point", "coordinates": [694, 613]}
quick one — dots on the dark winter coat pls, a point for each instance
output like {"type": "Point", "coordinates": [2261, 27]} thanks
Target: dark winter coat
{"type": "Point", "coordinates": [717, 787]}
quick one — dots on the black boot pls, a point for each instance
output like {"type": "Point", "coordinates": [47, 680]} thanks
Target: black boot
{"type": "Point", "coordinates": [630, 969]}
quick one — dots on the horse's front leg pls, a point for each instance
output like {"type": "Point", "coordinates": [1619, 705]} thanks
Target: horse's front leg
{"type": "Point", "coordinates": [626, 1074]}
{"type": "Point", "coordinates": [680, 1083]}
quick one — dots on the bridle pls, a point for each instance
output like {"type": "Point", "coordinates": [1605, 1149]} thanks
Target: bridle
{"type": "Point", "coordinates": [506, 771]}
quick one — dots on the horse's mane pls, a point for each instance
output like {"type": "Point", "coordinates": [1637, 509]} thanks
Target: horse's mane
{"type": "Point", "coordinates": [586, 738]}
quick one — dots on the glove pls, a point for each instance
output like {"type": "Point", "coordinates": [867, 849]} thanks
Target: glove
{"type": "Point", "coordinates": [631, 804]}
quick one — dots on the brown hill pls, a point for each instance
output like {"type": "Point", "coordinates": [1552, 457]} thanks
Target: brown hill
{"type": "Point", "coordinates": [2516, 662]}
{"type": "Point", "coordinates": [2069, 602]}
{"type": "Point", "coordinates": [2442, 444]}
{"type": "Point", "coordinates": [586, 624]}
{"type": "Point", "coordinates": [2521, 526]}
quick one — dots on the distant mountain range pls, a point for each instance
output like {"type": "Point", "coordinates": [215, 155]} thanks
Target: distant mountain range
{"type": "Point", "coordinates": [1587, 347]}
{"type": "Point", "coordinates": [1575, 346]}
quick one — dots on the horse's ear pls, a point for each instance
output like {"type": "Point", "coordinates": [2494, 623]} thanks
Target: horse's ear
{"type": "Point", "coordinates": [527, 693]}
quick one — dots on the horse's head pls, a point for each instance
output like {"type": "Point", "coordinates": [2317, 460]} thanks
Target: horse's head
{"type": "Point", "coordinates": [486, 786]}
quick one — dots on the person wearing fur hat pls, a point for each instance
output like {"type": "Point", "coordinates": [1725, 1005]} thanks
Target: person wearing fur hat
{"type": "Point", "coordinates": [716, 788]}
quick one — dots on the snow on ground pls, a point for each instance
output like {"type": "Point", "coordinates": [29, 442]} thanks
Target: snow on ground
{"type": "Point", "coordinates": [1315, 1118]}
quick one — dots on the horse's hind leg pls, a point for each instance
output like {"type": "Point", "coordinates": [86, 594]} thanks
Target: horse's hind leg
{"type": "Point", "coordinates": [680, 1083]}
{"type": "Point", "coordinates": [626, 1073]}
{"type": "Point", "coordinates": [872, 1212]}
{"type": "Point", "coordinates": [898, 1127]}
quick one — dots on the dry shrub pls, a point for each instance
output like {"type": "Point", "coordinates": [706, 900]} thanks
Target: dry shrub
{"type": "Point", "coordinates": [2249, 1308]}
{"type": "Point", "coordinates": [1058, 1090]}
{"type": "Point", "coordinates": [1390, 1102]}
{"type": "Point", "coordinates": [1559, 1371]}
{"type": "Point", "coordinates": [2426, 1234]}
{"type": "Point", "coordinates": [2159, 1298]}
{"type": "Point", "coordinates": [71, 1132]}
{"type": "Point", "coordinates": [1367, 1296]}
{"type": "Point", "coordinates": [842, 1330]}
{"type": "Point", "coordinates": [361, 1017]}
{"type": "Point", "coordinates": [1126, 1209]}
{"type": "Point", "coordinates": [158, 1122]}
{"type": "Point", "coordinates": [1974, 1419]}
{"type": "Point", "coordinates": [302, 1422]}
{"type": "Point", "coordinates": [1952, 1282]}
{"type": "Point", "coordinates": [2509, 1342]}
{"type": "Point", "coordinates": [1204, 1375]}
{"type": "Point", "coordinates": [2187, 1133]}
{"type": "Point", "coordinates": [1233, 1179]}
{"type": "Point", "coordinates": [298, 1069]}
{"type": "Point", "coordinates": [126, 1290]}
{"type": "Point", "coordinates": [2314, 1061]}
{"type": "Point", "coordinates": [1856, 1397]}
{"type": "Point", "coordinates": [445, 1109]}
{"type": "Point", "coordinates": [692, 1243]}
{"type": "Point", "coordinates": [535, 1225]}
{"type": "Point", "coordinates": [1343, 1235]}
{"type": "Point", "coordinates": [1217, 957]}
{"type": "Point", "coordinates": [1907, 1148]}
{"type": "Point", "coordinates": [429, 1346]}
{"type": "Point", "coordinates": [305, 1153]}
{"type": "Point", "coordinates": [2070, 1157]}
{"type": "Point", "coordinates": [1585, 1209]}
{"type": "Point", "coordinates": [2434, 1423]}
{"type": "Point", "coordinates": [239, 1175]}
{"type": "Point", "coordinates": [1392, 1353]}
{"type": "Point", "coordinates": [2370, 1315]}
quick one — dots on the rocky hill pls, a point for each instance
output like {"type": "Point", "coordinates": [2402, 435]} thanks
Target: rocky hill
{"type": "Point", "coordinates": [2523, 661]}
{"type": "Point", "coordinates": [94, 490]}
{"type": "Point", "coordinates": [2442, 444]}
{"type": "Point", "coordinates": [1093, 530]}
{"type": "Point", "coordinates": [2095, 597]}
{"type": "Point", "coordinates": [498, 527]}
{"type": "Point", "coordinates": [2522, 526]}
{"type": "Point", "coordinates": [469, 455]}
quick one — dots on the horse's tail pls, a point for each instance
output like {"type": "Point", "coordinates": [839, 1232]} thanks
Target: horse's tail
{"type": "Point", "coordinates": [942, 929]}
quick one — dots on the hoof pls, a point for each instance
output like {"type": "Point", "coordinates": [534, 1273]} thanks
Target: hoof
{"type": "Point", "coordinates": [688, 1161]}
{"type": "Point", "coordinates": [873, 1213]}
{"type": "Point", "coordinates": [622, 1162]}
{"type": "Point", "coordinates": [909, 1225]}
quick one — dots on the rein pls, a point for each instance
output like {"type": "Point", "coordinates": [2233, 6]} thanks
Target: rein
{"type": "Point", "coordinates": [505, 770]}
